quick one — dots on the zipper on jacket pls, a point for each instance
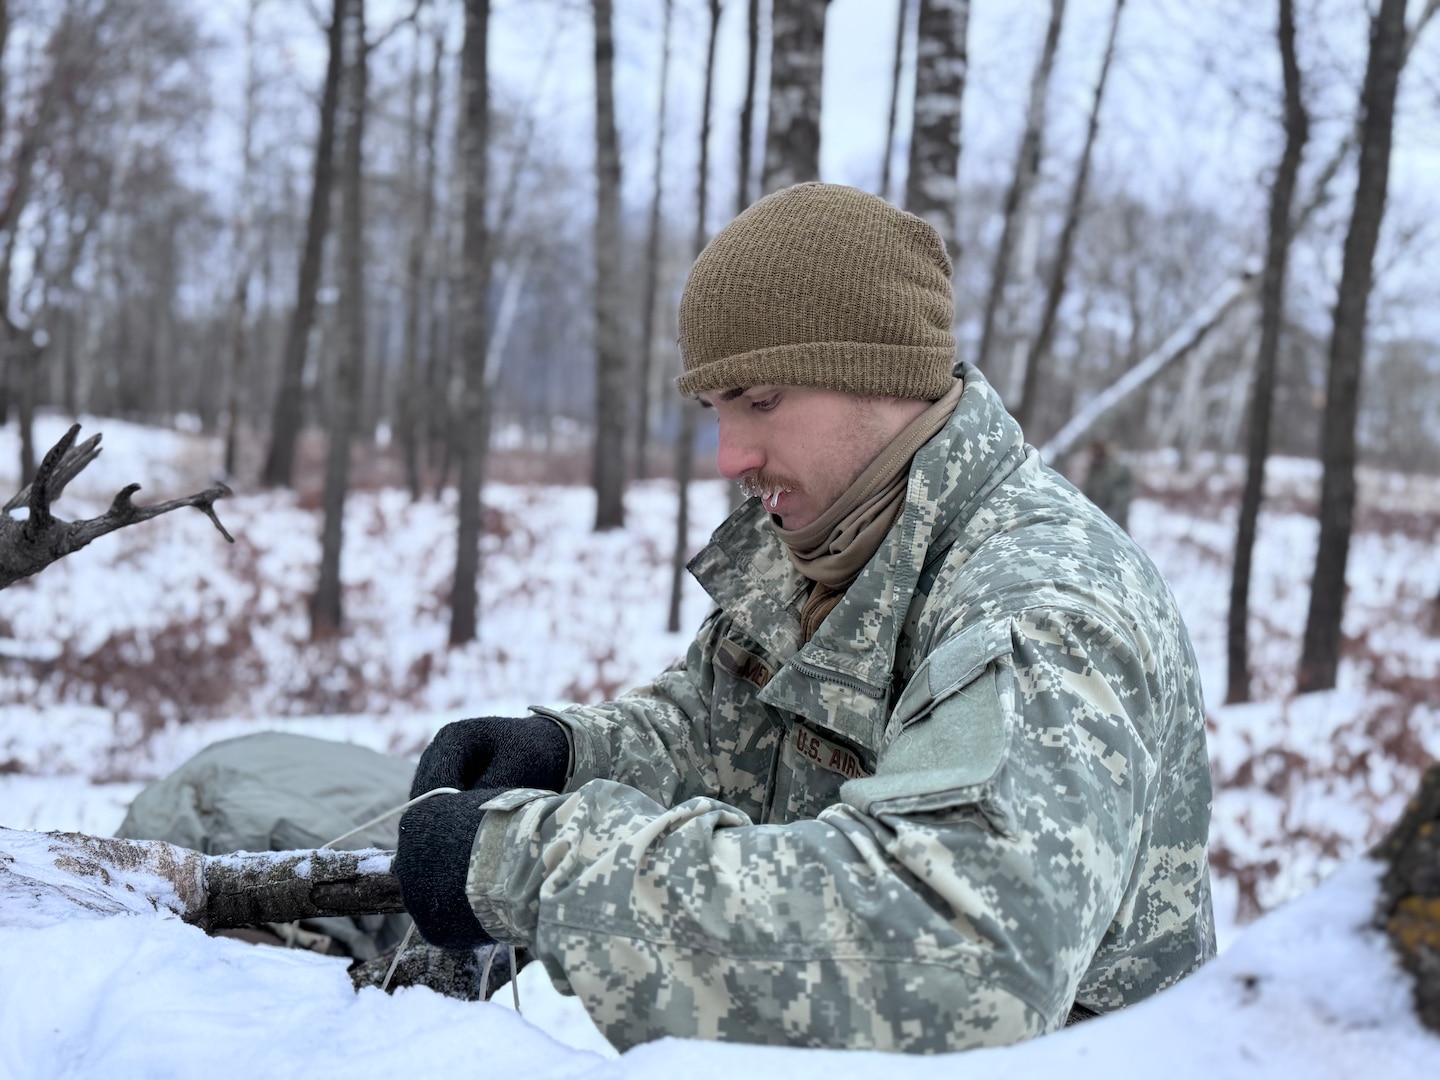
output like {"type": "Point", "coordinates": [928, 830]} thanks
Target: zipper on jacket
{"type": "Point", "coordinates": [834, 676]}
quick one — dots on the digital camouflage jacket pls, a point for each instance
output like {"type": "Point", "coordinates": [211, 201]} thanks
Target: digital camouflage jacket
{"type": "Point", "coordinates": [978, 795]}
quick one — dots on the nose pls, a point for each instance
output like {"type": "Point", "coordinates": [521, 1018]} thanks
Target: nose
{"type": "Point", "coordinates": [736, 455]}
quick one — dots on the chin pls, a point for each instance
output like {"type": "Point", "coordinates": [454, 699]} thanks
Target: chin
{"type": "Point", "coordinates": [792, 521]}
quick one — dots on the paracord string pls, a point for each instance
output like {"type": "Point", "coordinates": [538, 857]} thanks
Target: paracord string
{"type": "Point", "coordinates": [410, 930]}
{"type": "Point", "coordinates": [391, 813]}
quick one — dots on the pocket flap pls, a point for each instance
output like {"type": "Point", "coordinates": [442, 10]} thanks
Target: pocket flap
{"type": "Point", "coordinates": [953, 736]}
{"type": "Point", "coordinates": [951, 666]}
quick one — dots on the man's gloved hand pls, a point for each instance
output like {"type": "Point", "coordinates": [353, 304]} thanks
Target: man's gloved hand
{"type": "Point", "coordinates": [495, 752]}
{"type": "Point", "coordinates": [432, 860]}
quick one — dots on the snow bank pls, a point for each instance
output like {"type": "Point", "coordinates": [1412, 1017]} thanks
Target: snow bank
{"type": "Point", "coordinates": [1311, 990]}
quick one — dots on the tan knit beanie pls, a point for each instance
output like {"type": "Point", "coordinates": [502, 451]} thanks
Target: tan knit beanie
{"type": "Point", "coordinates": [820, 285]}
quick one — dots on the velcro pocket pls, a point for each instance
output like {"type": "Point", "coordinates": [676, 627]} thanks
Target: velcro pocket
{"type": "Point", "coordinates": [949, 733]}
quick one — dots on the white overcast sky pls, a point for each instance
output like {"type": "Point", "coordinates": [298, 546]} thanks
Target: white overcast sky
{"type": "Point", "coordinates": [1193, 103]}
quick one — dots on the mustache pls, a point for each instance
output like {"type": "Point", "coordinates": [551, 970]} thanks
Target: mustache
{"type": "Point", "coordinates": [763, 485]}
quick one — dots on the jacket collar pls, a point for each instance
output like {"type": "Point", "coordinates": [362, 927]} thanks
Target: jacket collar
{"type": "Point", "coordinates": [841, 678]}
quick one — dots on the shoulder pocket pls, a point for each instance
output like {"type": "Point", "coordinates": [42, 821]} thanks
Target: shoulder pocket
{"type": "Point", "coordinates": [949, 733]}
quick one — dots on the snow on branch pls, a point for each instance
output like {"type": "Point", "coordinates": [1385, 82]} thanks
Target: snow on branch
{"type": "Point", "coordinates": [28, 546]}
{"type": "Point", "coordinates": [1181, 342]}
{"type": "Point", "coordinates": [72, 872]}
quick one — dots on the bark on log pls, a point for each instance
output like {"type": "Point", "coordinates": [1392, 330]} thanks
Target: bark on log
{"type": "Point", "coordinates": [248, 888]}
{"type": "Point", "coordinates": [213, 892]}
{"type": "Point", "coordinates": [466, 974]}
{"type": "Point", "coordinates": [1410, 894]}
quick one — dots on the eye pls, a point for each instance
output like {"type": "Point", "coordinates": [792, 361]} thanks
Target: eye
{"type": "Point", "coordinates": [765, 404]}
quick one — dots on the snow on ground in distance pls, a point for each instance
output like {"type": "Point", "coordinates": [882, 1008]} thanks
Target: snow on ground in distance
{"type": "Point", "coordinates": [123, 660]}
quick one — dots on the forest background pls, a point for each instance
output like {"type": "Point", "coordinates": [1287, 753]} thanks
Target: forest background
{"type": "Point", "coordinates": [429, 246]}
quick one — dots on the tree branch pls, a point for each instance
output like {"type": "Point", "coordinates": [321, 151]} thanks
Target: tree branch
{"type": "Point", "coordinates": [213, 892]}
{"type": "Point", "coordinates": [28, 547]}
{"type": "Point", "coordinates": [404, 20]}
{"type": "Point", "coordinates": [247, 888]}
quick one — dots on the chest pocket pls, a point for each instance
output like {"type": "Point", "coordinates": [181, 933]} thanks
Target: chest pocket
{"type": "Point", "coordinates": [949, 734]}
{"type": "Point", "coordinates": [813, 768]}
{"type": "Point", "coordinates": [744, 732]}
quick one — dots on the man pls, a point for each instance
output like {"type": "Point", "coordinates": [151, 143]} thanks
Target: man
{"type": "Point", "coordinates": [1109, 484]}
{"type": "Point", "coordinates": [932, 772]}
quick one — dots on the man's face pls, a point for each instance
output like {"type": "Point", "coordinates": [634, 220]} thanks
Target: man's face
{"type": "Point", "coordinates": [799, 447]}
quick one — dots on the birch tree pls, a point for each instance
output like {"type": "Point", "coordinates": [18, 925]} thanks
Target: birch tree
{"type": "Point", "coordinates": [1320, 651]}
{"type": "Point", "coordinates": [932, 188]}
{"type": "Point", "coordinates": [797, 55]}
{"type": "Point", "coordinates": [1017, 199]}
{"type": "Point", "coordinates": [1036, 365]}
{"type": "Point", "coordinates": [1262, 392]}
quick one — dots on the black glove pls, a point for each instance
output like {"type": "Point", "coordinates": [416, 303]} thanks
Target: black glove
{"type": "Point", "coordinates": [432, 860]}
{"type": "Point", "coordinates": [495, 752]}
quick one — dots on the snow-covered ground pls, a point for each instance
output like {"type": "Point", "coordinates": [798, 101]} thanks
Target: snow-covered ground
{"type": "Point", "coordinates": [121, 661]}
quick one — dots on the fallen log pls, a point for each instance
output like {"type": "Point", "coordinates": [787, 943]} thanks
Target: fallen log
{"type": "Point", "coordinates": [213, 892]}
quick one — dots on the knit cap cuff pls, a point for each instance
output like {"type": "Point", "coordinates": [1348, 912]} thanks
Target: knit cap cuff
{"type": "Point", "coordinates": [925, 372]}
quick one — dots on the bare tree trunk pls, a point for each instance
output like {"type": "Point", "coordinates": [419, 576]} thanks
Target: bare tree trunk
{"type": "Point", "coordinates": [1320, 653]}
{"type": "Point", "coordinates": [685, 447]}
{"type": "Point", "coordinates": [797, 56]}
{"type": "Point", "coordinates": [473, 286]}
{"type": "Point", "coordinates": [26, 367]}
{"type": "Point", "coordinates": [1027, 411]}
{"type": "Point", "coordinates": [608, 462]}
{"type": "Point", "coordinates": [1217, 306]}
{"type": "Point", "coordinates": [932, 189]}
{"type": "Point", "coordinates": [4, 37]}
{"type": "Point", "coordinates": [325, 606]}
{"type": "Point", "coordinates": [287, 416]}
{"type": "Point", "coordinates": [652, 262]}
{"type": "Point", "coordinates": [412, 395]}
{"type": "Point", "coordinates": [1017, 199]}
{"type": "Point", "coordinates": [239, 315]}
{"type": "Point", "coordinates": [1272, 314]}
{"type": "Point", "coordinates": [16, 344]}
{"type": "Point", "coordinates": [5, 334]}
{"type": "Point", "coordinates": [747, 111]}
{"type": "Point", "coordinates": [902, 21]}
{"type": "Point", "coordinates": [244, 250]}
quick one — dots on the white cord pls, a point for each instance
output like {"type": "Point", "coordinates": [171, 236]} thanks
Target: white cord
{"type": "Point", "coordinates": [391, 813]}
{"type": "Point", "coordinates": [410, 930]}
{"type": "Point", "coordinates": [399, 952]}
{"type": "Point", "coordinates": [515, 979]}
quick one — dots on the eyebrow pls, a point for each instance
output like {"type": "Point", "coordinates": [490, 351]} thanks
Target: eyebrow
{"type": "Point", "coordinates": [725, 395]}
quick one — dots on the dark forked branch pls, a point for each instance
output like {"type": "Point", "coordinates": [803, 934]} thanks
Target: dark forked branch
{"type": "Point", "coordinates": [27, 547]}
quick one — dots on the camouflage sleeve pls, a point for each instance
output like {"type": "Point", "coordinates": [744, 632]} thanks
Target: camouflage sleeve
{"type": "Point", "coordinates": [654, 738]}
{"type": "Point", "coordinates": [952, 900]}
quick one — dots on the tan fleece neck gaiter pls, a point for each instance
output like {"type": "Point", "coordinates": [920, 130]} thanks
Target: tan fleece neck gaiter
{"type": "Point", "coordinates": [834, 548]}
